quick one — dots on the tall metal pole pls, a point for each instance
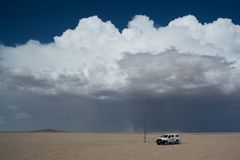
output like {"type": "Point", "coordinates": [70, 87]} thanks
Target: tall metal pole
{"type": "Point", "coordinates": [145, 121]}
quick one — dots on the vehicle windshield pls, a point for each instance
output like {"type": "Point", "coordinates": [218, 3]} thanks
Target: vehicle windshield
{"type": "Point", "coordinates": [165, 136]}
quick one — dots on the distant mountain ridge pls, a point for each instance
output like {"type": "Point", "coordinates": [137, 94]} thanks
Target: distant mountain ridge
{"type": "Point", "coordinates": [48, 130]}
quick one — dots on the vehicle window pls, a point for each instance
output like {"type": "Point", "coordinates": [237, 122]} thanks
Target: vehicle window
{"type": "Point", "coordinates": [169, 136]}
{"type": "Point", "coordinates": [177, 135]}
{"type": "Point", "coordinates": [172, 135]}
{"type": "Point", "coordinates": [165, 136]}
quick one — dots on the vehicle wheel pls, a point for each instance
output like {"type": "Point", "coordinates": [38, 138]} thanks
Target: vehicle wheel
{"type": "Point", "coordinates": [158, 142]}
{"type": "Point", "coordinates": [177, 141]}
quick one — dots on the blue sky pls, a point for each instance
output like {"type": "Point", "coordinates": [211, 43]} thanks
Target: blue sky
{"type": "Point", "coordinates": [89, 65]}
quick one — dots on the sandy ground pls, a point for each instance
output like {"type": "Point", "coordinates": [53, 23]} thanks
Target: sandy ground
{"type": "Point", "coordinates": [76, 146]}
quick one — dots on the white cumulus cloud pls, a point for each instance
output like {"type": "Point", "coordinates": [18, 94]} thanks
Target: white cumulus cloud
{"type": "Point", "coordinates": [96, 57]}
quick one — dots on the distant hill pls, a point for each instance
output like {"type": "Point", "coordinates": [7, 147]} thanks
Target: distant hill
{"type": "Point", "coordinates": [48, 130]}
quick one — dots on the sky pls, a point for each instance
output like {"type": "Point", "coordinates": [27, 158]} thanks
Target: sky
{"type": "Point", "coordinates": [98, 66]}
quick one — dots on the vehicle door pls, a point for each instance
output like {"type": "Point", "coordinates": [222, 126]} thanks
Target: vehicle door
{"type": "Point", "coordinates": [171, 138]}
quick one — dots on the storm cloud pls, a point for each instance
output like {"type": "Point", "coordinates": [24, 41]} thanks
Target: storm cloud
{"type": "Point", "coordinates": [96, 78]}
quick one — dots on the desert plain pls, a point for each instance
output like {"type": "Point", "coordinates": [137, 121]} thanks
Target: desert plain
{"type": "Point", "coordinates": [114, 146]}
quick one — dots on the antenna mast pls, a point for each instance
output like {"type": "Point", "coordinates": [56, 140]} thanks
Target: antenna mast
{"type": "Point", "coordinates": [145, 121]}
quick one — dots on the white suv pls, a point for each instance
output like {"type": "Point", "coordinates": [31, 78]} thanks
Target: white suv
{"type": "Point", "coordinates": [171, 138]}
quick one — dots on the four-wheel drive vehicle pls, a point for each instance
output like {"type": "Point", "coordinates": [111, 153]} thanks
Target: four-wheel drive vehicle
{"type": "Point", "coordinates": [172, 138]}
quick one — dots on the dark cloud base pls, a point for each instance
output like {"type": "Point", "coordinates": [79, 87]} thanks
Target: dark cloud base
{"type": "Point", "coordinates": [210, 112]}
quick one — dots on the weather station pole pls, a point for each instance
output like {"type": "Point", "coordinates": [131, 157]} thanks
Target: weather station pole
{"type": "Point", "coordinates": [145, 121]}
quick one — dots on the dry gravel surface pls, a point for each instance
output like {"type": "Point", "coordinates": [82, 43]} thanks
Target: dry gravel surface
{"type": "Point", "coordinates": [87, 146]}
